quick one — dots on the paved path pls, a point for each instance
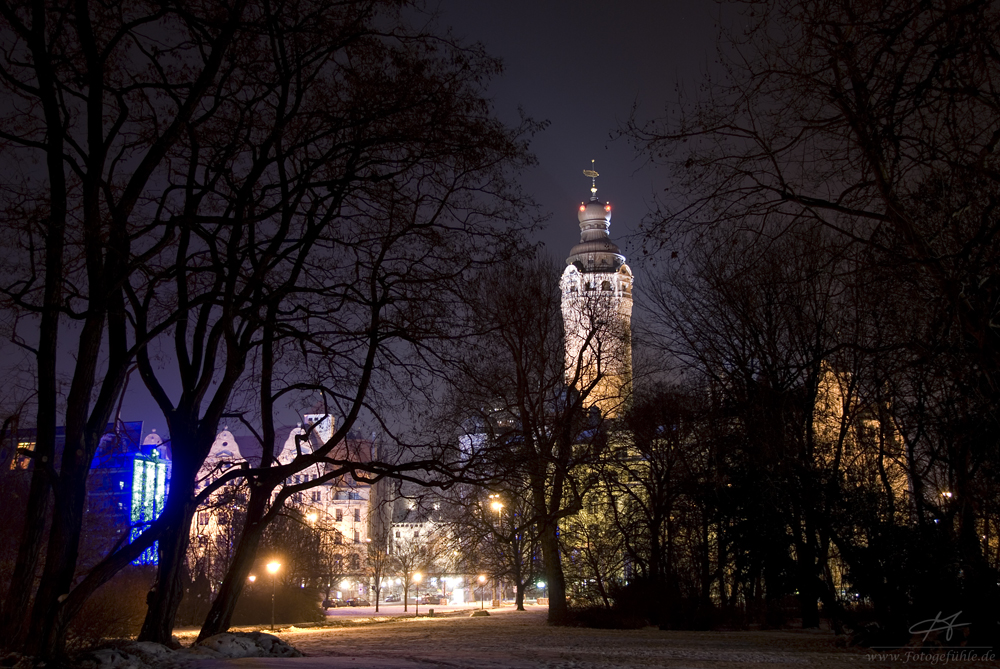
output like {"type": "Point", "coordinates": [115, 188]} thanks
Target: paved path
{"type": "Point", "coordinates": [522, 640]}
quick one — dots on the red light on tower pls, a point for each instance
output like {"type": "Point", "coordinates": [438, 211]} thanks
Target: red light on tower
{"type": "Point", "coordinates": [607, 207]}
{"type": "Point", "coordinates": [583, 207]}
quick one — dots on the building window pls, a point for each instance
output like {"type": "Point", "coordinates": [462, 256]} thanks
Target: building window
{"type": "Point", "coordinates": [338, 538]}
{"type": "Point", "coordinates": [357, 537]}
{"type": "Point", "coordinates": [357, 515]}
{"type": "Point", "coordinates": [315, 496]}
{"type": "Point", "coordinates": [397, 534]}
{"type": "Point", "coordinates": [355, 562]}
{"type": "Point", "coordinates": [340, 515]}
{"type": "Point", "coordinates": [203, 517]}
{"type": "Point", "coordinates": [416, 534]}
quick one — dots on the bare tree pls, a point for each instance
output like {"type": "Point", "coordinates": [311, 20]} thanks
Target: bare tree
{"type": "Point", "coordinates": [876, 122]}
{"type": "Point", "coordinates": [524, 410]}
{"type": "Point", "coordinates": [99, 113]}
{"type": "Point", "coordinates": [411, 555]}
{"type": "Point", "coordinates": [298, 222]}
{"type": "Point", "coordinates": [378, 561]}
{"type": "Point", "coordinates": [495, 535]}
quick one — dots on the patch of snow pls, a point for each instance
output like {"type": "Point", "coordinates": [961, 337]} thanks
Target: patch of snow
{"type": "Point", "coordinates": [231, 645]}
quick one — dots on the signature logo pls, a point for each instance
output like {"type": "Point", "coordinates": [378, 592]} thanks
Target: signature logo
{"type": "Point", "coordinates": [938, 624]}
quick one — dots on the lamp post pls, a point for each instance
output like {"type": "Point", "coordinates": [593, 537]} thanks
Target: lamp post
{"type": "Point", "coordinates": [497, 506]}
{"type": "Point", "coordinates": [272, 568]}
{"type": "Point", "coordinates": [416, 589]}
{"type": "Point", "coordinates": [482, 595]}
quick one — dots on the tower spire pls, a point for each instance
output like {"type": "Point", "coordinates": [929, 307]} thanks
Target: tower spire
{"type": "Point", "coordinates": [593, 180]}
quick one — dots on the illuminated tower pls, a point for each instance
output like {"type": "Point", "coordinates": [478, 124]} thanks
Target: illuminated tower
{"type": "Point", "coordinates": [597, 311]}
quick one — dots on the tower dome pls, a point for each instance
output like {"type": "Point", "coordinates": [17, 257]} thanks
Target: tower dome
{"type": "Point", "coordinates": [595, 252]}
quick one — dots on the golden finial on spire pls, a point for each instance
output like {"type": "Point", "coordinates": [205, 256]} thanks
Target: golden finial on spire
{"type": "Point", "coordinates": [593, 179]}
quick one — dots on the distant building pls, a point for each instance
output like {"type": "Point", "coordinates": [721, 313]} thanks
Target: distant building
{"type": "Point", "coordinates": [341, 507]}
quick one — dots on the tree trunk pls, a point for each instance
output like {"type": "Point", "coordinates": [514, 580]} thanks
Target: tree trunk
{"type": "Point", "coordinates": [61, 558]}
{"type": "Point", "coordinates": [166, 594]}
{"type": "Point", "coordinates": [555, 580]}
{"type": "Point", "coordinates": [220, 615]}
{"type": "Point", "coordinates": [13, 623]}
{"type": "Point", "coordinates": [16, 603]}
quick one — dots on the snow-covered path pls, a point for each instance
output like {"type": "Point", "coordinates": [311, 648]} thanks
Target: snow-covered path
{"type": "Point", "coordinates": [522, 640]}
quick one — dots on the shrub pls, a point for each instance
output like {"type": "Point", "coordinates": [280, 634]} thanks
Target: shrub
{"type": "Point", "coordinates": [291, 605]}
{"type": "Point", "coordinates": [115, 611]}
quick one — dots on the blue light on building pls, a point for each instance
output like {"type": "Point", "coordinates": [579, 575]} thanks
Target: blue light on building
{"type": "Point", "coordinates": [149, 486]}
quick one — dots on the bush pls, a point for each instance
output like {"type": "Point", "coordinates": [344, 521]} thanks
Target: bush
{"type": "Point", "coordinates": [115, 611]}
{"type": "Point", "coordinates": [291, 605]}
{"type": "Point", "coordinates": [659, 605]}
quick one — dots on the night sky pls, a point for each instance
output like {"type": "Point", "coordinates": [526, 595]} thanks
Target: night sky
{"type": "Point", "coordinates": [583, 66]}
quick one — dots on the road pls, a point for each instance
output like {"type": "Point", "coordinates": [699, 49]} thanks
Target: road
{"type": "Point", "coordinates": [396, 609]}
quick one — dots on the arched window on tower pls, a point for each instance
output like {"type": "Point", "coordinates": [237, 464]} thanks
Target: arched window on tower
{"type": "Point", "coordinates": [606, 285]}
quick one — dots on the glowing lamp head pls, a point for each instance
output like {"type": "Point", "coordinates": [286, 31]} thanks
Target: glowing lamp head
{"type": "Point", "coordinates": [497, 506]}
{"type": "Point", "coordinates": [312, 517]}
{"type": "Point", "coordinates": [482, 578]}
{"type": "Point", "coordinates": [417, 577]}
{"type": "Point", "coordinates": [251, 578]}
{"type": "Point", "coordinates": [273, 567]}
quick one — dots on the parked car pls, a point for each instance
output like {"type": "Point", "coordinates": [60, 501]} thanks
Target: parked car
{"type": "Point", "coordinates": [392, 598]}
{"type": "Point", "coordinates": [333, 603]}
{"type": "Point", "coordinates": [358, 601]}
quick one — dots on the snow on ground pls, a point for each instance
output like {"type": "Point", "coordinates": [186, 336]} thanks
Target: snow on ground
{"type": "Point", "coordinates": [522, 640]}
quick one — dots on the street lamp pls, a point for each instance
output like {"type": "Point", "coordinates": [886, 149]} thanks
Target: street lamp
{"type": "Point", "coordinates": [251, 578]}
{"type": "Point", "coordinates": [482, 597]}
{"type": "Point", "coordinates": [312, 518]}
{"type": "Point", "coordinates": [416, 581]}
{"type": "Point", "coordinates": [272, 568]}
{"type": "Point", "coordinates": [497, 506]}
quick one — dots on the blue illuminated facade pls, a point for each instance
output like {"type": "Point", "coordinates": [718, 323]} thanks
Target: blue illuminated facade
{"type": "Point", "coordinates": [149, 492]}
{"type": "Point", "coordinates": [126, 489]}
